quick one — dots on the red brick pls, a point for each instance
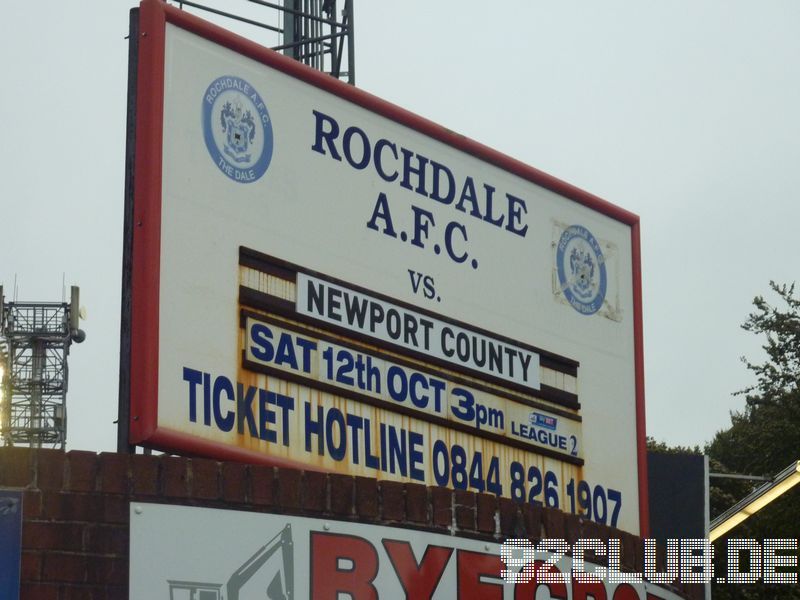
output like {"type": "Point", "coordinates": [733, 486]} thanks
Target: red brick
{"type": "Point", "coordinates": [367, 498]}
{"type": "Point", "coordinates": [315, 491]}
{"type": "Point", "coordinates": [417, 503]}
{"type": "Point", "coordinates": [487, 508]}
{"type": "Point", "coordinates": [593, 531]}
{"type": "Point", "coordinates": [116, 592]}
{"type": "Point", "coordinates": [628, 551]}
{"type": "Point", "coordinates": [609, 532]}
{"type": "Point", "coordinates": [342, 490]}
{"type": "Point", "coordinates": [573, 526]}
{"type": "Point", "coordinates": [116, 509]}
{"type": "Point", "coordinates": [205, 478]}
{"type": "Point", "coordinates": [175, 474]}
{"type": "Point", "coordinates": [32, 504]}
{"type": "Point", "coordinates": [82, 592]}
{"type": "Point", "coordinates": [638, 554]}
{"type": "Point", "coordinates": [108, 570]}
{"type": "Point", "coordinates": [234, 482]}
{"type": "Point", "coordinates": [288, 481]}
{"type": "Point", "coordinates": [66, 506]}
{"type": "Point", "coordinates": [104, 539]}
{"type": "Point", "coordinates": [144, 474]}
{"type": "Point", "coordinates": [262, 485]}
{"type": "Point", "coordinates": [661, 557]}
{"type": "Point", "coordinates": [31, 566]}
{"type": "Point", "coordinates": [81, 471]}
{"type": "Point", "coordinates": [695, 591]}
{"type": "Point", "coordinates": [553, 521]}
{"type": "Point", "coordinates": [49, 469]}
{"type": "Point", "coordinates": [393, 502]}
{"type": "Point", "coordinates": [51, 506]}
{"type": "Point", "coordinates": [465, 510]}
{"type": "Point", "coordinates": [533, 521]}
{"type": "Point", "coordinates": [442, 502]}
{"type": "Point", "coordinates": [64, 568]}
{"type": "Point", "coordinates": [82, 507]}
{"type": "Point", "coordinates": [511, 523]}
{"type": "Point", "coordinates": [38, 591]}
{"type": "Point", "coordinates": [15, 467]}
{"type": "Point", "coordinates": [47, 535]}
{"type": "Point", "coordinates": [113, 472]}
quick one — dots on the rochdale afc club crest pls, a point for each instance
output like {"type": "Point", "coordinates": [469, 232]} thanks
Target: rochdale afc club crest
{"type": "Point", "coordinates": [237, 129]}
{"type": "Point", "coordinates": [581, 270]}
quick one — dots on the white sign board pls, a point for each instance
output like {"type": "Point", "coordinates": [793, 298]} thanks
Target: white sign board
{"type": "Point", "coordinates": [183, 553]}
{"type": "Point", "coordinates": [320, 279]}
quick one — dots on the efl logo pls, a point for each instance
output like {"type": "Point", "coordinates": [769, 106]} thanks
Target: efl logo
{"type": "Point", "coordinates": [237, 129]}
{"type": "Point", "coordinates": [544, 421]}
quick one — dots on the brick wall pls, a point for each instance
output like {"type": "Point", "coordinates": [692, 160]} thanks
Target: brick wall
{"type": "Point", "coordinates": [75, 533]}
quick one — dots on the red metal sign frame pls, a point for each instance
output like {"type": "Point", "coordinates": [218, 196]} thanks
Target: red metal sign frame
{"type": "Point", "coordinates": [146, 223]}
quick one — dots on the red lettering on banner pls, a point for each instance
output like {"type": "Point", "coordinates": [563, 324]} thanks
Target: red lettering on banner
{"type": "Point", "coordinates": [527, 590]}
{"type": "Point", "coordinates": [594, 590]}
{"type": "Point", "coordinates": [419, 581]}
{"type": "Point", "coordinates": [342, 564]}
{"type": "Point", "coordinates": [471, 567]}
{"type": "Point", "coordinates": [626, 591]}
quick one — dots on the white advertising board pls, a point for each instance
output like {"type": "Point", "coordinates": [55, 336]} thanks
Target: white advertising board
{"type": "Point", "coordinates": [187, 553]}
{"type": "Point", "coordinates": [320, 279]}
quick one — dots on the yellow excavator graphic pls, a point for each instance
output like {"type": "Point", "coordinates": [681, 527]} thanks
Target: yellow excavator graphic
{"type": "Point", "coordinates": [279, 588]}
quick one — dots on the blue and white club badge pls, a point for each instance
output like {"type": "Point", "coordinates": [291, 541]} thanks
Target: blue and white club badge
{"type": "Point", "coordinates": [237, 129]}
{"type": "Point", "coordinates": [581, 270]}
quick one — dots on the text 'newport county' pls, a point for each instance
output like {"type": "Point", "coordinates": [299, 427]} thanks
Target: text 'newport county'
{"type": "Point", "coordinates": [426, 177]}
{"type": "Point", "coordinates": [411, 330]}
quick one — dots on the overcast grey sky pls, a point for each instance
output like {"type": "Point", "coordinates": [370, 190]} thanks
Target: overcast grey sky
{"type": "Point", "coordinates": [684, 112]}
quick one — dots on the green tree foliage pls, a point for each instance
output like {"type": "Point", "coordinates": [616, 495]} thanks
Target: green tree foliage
{"type": "Point", "coordinates": [764, 438]}
{"type": "Point", "coordinates": [663, 448]}
{"type": "Point", "coordinates": [779, 376]}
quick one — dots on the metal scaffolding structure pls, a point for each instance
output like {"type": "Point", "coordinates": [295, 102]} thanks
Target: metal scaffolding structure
{"type": "Point", "coordinates": [35, 338]}
{"type": "Point", "coordinates": [309, 30]}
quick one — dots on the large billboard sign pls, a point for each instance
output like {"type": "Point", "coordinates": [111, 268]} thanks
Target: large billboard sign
{"type": "Point", "coordinates": [221, 554]}
{"type": "Point", "coordinates": [320, 279]}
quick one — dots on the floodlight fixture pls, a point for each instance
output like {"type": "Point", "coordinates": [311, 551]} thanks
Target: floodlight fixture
{"type": "Point", "coordinates": [758, 499]}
